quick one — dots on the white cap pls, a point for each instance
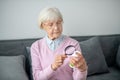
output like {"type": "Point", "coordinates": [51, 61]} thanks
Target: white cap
{"type": "Point", "coordinates": [74, 54]}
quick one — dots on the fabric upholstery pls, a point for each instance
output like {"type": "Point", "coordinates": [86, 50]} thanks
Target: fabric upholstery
{"type": "Point", "coordinates": [109, 46]}
{"type": "Point", "coordinates": [12, 68]}
{"type": "Point", "coordinates": [11, 48]}
{"type": "Point", "coordinates": [114, 74]}
{"type": "Point", "coordinates": [29, 61]}
{"type": "Point", "coordinates": [93, 54]}
{"type": "Point", "coordinates": [118, 57]}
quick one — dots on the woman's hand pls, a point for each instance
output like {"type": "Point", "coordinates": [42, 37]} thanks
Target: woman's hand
{"type": "Point", "coordinates": [79, 62]}
{"type": "Point", "coordinates": [59, 59]}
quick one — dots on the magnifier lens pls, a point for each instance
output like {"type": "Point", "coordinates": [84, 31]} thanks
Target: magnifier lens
{"type": "Point", "coordinates": [69, 50]}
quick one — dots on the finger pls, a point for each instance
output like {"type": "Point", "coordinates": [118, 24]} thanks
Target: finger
{"type": "Point", "coordinates": [77, 62]}
{"type": "Point", "coordinates": [59, 57]}
{"type": "Point", "coordinates": [59, 61]}
{"type": "Point", "coordinates": [79, 57]}
{"type": "Point", "coordinates": [59, 64]}
{"type": "Point", "coordinates": [79, 54]}
{"type": "Point", "coordinates": [73, 61]}
{"type": "Point", "coordinates": [76, 59]}
{"type": "Point", "coordinates": [80, 65]}
{"type": "Point", "coordinates": [64, 56]}
{"type": "Point", "coordinates": [82, 62]}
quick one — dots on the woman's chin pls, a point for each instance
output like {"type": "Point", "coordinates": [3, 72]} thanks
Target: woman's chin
{"type": "Point", "coordinates": [56, 36]}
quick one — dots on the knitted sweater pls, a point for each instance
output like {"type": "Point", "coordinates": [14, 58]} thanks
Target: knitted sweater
{"type": "Point", "coordinates": [42, 58]}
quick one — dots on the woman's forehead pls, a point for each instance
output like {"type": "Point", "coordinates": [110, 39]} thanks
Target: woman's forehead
{"type": "Point", "coordinates": [52, 21]}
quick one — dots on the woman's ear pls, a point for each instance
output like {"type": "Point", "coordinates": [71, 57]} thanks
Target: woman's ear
{"type": "Point", "coordinates": [42, 26]}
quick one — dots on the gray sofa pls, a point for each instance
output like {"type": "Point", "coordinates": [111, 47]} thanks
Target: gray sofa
{"type": "Point", "coordinates": [102, 53]}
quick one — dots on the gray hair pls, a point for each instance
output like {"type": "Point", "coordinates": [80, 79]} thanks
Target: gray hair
{"type": "Point", "coordinates": [49, 13]}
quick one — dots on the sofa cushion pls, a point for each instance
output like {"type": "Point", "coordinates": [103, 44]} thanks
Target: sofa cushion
{"type": "Point", "coordinates": [12, 68]}
{"type": "Point", "coordinates": [93, 54]}
{"type": "Point", "coordinates": [11, 48]}
{"type": "Point", "coordinates": [109, 46]}
{"type": "Point", "coordinates": [29, 62]}
{"type": "Point", "coordinates": [118, 57]}
{"type": "Point", "coordinates": [114, 74]}
{"type": "Point", "coordinates": [14, 48]}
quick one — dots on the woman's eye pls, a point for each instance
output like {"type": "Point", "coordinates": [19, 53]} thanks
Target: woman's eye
{"type": "Point", "coordinates": [50, 24]}
{"type": "Point", "coordinates": [59, 22]}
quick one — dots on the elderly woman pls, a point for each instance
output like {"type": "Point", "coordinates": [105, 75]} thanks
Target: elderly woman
{"type": "Point", "coordinates": [49, 61]}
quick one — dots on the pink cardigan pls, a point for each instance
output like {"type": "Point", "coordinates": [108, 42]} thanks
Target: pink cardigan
{"type": "Point", "coordinates": [43, 57]}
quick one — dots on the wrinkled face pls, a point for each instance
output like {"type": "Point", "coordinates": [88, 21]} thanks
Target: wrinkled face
{"type": "Point", "coordinates": [53, 28]}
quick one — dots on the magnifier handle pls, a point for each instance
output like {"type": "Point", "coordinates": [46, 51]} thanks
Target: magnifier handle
{"type": "Point", "coordinates": [68, 54]}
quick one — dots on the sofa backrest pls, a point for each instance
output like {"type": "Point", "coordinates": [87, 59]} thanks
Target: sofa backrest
{"type": "Point", "coordinates": [109, 44]}
{"type": "Point", "coordinates": [17, 47]}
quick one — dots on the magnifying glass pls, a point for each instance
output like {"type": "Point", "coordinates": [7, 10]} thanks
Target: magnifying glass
{"type": "Point", "coordinates": [69, 50]}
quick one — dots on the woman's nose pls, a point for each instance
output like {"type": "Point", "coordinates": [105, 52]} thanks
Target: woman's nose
{"type": "Point", "coordinates": [55, 26]}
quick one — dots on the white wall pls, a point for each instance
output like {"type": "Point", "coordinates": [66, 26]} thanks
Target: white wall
{"type": "Point", "coordinates": [18, 18]}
